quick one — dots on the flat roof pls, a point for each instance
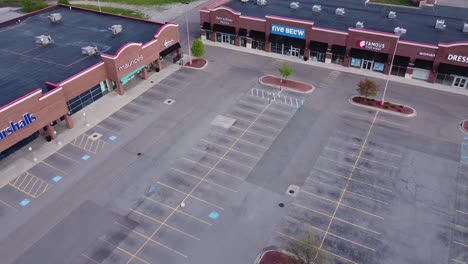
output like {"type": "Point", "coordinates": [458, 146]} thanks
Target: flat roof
{"type": "Point", "coordinates": [419, 22]}
{"type": "Point", "coordinates": [24, 66]}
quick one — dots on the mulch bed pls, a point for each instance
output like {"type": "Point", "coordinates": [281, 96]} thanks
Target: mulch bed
{"type": "Point", "coordinates": [386, 106]}
{"type": "Point", "coordinates": [288, 84]}
{"type": "Point", "coordinates": [275, 257]}
{"type": "Point", "coordinates": [196, 63]}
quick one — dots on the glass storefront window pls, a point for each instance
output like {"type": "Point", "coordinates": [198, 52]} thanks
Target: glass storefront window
{"type": "Point", "coordinates": [259, 45]}
{"type": "Point", "coordinates": [243, 42]}
{"type": "Point", "coordinates": [317, 56]}
{"type": "Point", "coordinates": [208, 34]}
{"type": "Point", "coordinates": [379, 67]}
{"type": "Point", "coordinates": [355, 62]}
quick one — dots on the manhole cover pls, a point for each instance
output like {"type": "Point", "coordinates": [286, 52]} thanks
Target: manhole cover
{"type": "Point", "coordinates": [169, 101]}
{"type": "Point", "coordinates": [293, 190]}
{"type": "Point", "coordinates": [281, 205]}
{"type": "Point", "coordinates": [95, 136]}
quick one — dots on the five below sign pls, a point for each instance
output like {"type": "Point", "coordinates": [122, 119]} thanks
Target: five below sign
{"type": "Point", "coordinates": [15, 126]}
{"type": "Point", "coordinates": [288, 31]}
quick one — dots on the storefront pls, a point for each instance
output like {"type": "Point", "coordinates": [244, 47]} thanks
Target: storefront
{"type": "Point", "coordinates": [279, 29]}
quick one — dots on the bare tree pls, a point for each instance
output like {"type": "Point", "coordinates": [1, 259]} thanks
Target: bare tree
{"type": "Point", "coordinates": [305, 249]}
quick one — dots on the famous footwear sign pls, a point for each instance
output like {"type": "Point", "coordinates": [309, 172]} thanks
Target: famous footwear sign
{"type": "Point", "coordinates": [130, 63]}
{"type": "Point", "coordinates": [371, 45]}
{"type": "Point", "coordinates": [15, 126]}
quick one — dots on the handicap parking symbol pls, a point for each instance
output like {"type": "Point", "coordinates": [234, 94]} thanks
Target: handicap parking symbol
{"type": "Point", "coordinates": [25, 202]}
{"type": "Point", "coordinates": [214, 215]}
{"type": "Point", "coordinates": [57, 178]}
{"type": "Point", "coordinates": [86, 157]}
{"type": "Point", "coordinates": [112, 138]}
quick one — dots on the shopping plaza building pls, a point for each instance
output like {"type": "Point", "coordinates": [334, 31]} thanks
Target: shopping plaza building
{"type": "Point", "coordinates": [60, 59]}
{"type": "Point", "coordinates": [428, 43]}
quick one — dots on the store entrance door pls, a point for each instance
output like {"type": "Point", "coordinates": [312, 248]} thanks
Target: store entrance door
{"type": "Point", "coordinates": [367, 65]}
{"type": "Point", "coordinates": [295, 52]}
{"type": "Point", "coordinates": [460, 82]}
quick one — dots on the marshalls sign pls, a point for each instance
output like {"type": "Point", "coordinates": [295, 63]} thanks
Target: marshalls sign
{"type": "Point", "coordinates": [288, 31]}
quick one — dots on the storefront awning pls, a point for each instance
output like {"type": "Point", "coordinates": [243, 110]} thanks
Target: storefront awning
{"type": "Point", "coordinates": [257, 35]}
{"type": "Point", "coordinates": [224, 29]}
{"type": "Point", "coordinates": [295, 42]}
{"type": "Point", "coordinates": [206, 26]}
{"type": "Point", "coordinates": [243, 32]}
{"type": "Point", "coordinates": [169, 50]}
{"type": "Point", "coordinates": [131, 75]}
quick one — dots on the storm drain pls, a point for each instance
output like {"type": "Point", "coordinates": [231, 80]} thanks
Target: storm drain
{"type": "Point", "coordinates": [95, 136]}
{"type": "Point", "coordinates": [169, 101]}
{"type": "Point", "coordinates": [223, 121]}
{"type": "Point", "coordinates": [293, 190]}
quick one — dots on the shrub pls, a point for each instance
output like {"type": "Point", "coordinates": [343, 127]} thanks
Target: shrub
{"type": "Point", "coordinates": [198, 49]}
{"type": "Point", "coordinates": [367, 88]}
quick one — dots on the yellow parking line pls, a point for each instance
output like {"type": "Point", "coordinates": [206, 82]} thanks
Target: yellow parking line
{"type": "Point", "coordinates": [7, 204]}
{"type": "Point", "coordinates": [378, 119]}
{"type": "Point", "coordinates": [32, 186]}
{"type": "Point", "coordinates": [152, 240]}
{"type": "Point", "coordinates": [254, 133]}
{"type": "Point", "coordinates": [205, 180]}
{"type": "Point", "coordinates": [318, 196]}
{"type": "Point", "coordinates": [336, 218]}
{"type": "Point", "coordinates": [354, 180]}
{"type": "Point", "coordinates": [274, 118]}
{"type": "Point", "coordinates": [243, 140]}
{"type": "Point", "coordinates": [38, 188]}
{"type": "Point", "coordinates": [216, 144]}
{"type": "Point", "coordinates": [270, 109]}
{"type": "Point", "coordinates": [461, 212]}
{"type": "Point", "coordinates": [54, 167]}
{"type": "Point", "coordinates": [265, 126]}
{"type": "Point", "coordinates": [462, 227]}
{"type": "Point", "coordinates": [194, 197]}
{"type": "Point", "coordinates": [113, 131]}
{"type": "Point", "coordinates": [209, 167]}
{"type": "Point", "coordinates": [65, 156]}
{"type": "Point", "coordinates": [357, 194]}
{"type": "Point", "coordinates": [164, 224]}
{"type": "Point", "coordinates": [31, 177]}
{"type": "Point", "coordinates": [124, 251]}
{"type": "Point", "coordinates": [371, 148]}
{"type": "Point", "coordinates": [457, 261]}
{"type": "Point", "coordinates": [16, 180]}
{"type": "Point", "coordinates": [118, 121]}
{"type": "Point", "coordinates": [219, 157]}
{"type": "Point", "coordinates": [89, 258]}
{"type": "Point", "coordinates": [24, 178]}
{"type": "Point", "coordinates": [318, 249]}
{"type": "Point", "coordinates": [189, 215]}
{"type": "Point", "coordinates": [350, 154]}
{"type": "Point", "coordinates": [362, 211]}
{"type": "Point", "coordinates": [461, 244]}
{"type": "Point", "coordinates": [132, 114]}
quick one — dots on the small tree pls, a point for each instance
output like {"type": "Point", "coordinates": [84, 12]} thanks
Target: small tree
{"type": "Point", "coordinates": [63, 2]}
{"type": "Point", "coordinates": [306, 249]}
{"type": "Point", "coordinates": [367, 88]}
{"type": "Point", "coordinates": [198, 49]}
{"type": "Point", "coordinates": [286, 71]}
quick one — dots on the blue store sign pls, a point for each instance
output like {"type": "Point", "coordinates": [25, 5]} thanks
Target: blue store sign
{"type": "Point", "coordinates": [13, 127]}
{"type": "Point", "coordinates": [288, 31]}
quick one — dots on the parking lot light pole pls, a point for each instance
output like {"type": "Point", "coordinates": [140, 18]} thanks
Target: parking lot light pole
{"type": "Point", "coordinates": [99, 5]}
{"type": "Point", "coordinates": [391, 66]}
{"type": "Point", "coordinates": [188, 36]}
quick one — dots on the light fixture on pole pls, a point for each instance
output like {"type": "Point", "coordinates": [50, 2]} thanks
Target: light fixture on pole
{"type": "Point", "coordinates": [32, 154]}
{"type": "Point", "coordinates": [399, 31]}
{"type": "Point", "coordinates": [188, 36]}
{"type": "Point", "coordinates": [85, 119]}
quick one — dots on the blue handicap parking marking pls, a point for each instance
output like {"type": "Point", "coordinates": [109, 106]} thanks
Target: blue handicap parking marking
{"type": "Point", "coordinates": [57, 178]}
{"type": "Point", "coordinates": [214, 215]}
{"type": "Point", "coordinates": [113, 138]}
{"type": "Point", "coordinates": [86, 157]}
{"type": "Point", "coordinates": [465, 138]}
{"type": "Point", "coordinates": [25, 202]}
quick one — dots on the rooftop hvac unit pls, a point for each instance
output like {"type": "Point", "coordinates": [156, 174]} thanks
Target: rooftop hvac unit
{"type": "Point", "coordinates": [116, 29]}
{"type": "Point", "coordinates": [399, 30]}
{"type": "Point", "coordinates": [392, 14]}
{"type": "Point", "coordinates": [359, 24]}
{"type": "Point", "coordinates": [294, 5]}
{"type": "Point", "coordinates": [89, 50]}
{"type": "Point", "coordinates": [262, 2]}
{"type": "Point", "coordinates": [465, 28]}
{"type": "Point", "coordinates": [44, 40]}
{"type": "Point", "coordinates": [440, 24]}
{"type": "Point", "coordinates": [244, 1]}
{"type": "Point", "coordinates": [317, 8]}
{"type": "Point", "coordinates": [55, 17]}
{"type": "Point", "coordinates": [340, 11]}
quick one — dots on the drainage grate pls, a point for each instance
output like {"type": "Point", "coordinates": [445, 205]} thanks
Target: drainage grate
{"type": "Point", "coordinates": [293, 190]}
{"type": "Point", "coordinates": [169, 101]}
{"type": "Point", "coordinates": [95, 136]}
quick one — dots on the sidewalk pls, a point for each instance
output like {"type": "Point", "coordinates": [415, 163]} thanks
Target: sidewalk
{"type": "Point", "coordinates": [23, 159]}
{"type": "Point", "coordinates": [336, 67]}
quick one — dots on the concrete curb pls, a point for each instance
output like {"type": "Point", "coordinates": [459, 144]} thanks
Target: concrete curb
{"type": "Point", "coordinates": [335, 67]}
{"type": "Point", "coordinates": [204, 66]}
{"type": "Point", "coordinates": [461, 127]}
{"type": "Point", "coordinates": [282, 87]}
{"type": "Point", "coordinates": [384, 110]}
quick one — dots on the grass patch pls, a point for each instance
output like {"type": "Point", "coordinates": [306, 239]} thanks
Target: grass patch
{"type": "Point", "coordinates": [395, 2]}
{"type": "Point", "coordinates": [146, 2]}
{"type": "Point", "coordinates": [118, 11]}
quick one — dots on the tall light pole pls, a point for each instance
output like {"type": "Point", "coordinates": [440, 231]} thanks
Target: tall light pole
{"type": "Point", "coordinates": [188, 36]}
{"type": "Point", "coordinates": [99, 5]}
{"type": "Point", "coordinates": [399, 31]}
